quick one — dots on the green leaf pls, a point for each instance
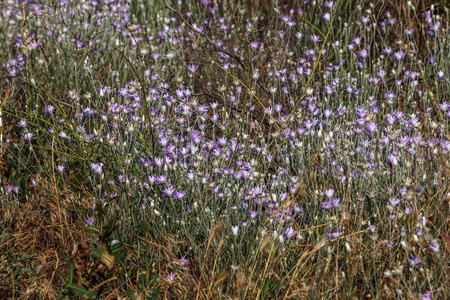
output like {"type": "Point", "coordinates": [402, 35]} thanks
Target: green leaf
{"type": "Point", "coordinates": [71, 272]}
{"type": "Point", "coordinates": [130, 293]}
{"type": "Point", "coordinates": [15, 181]}
{"type": "Point", "coordinates": [25, 184]}
{"type": "Point", "coordinates": [276, 286]}
{"type": "Point", "coordinates": [110, 224]}
{"type": "Point", "coordinates": [92, 230]}
{"type": "Point", "coordinates": [98, 252]}
{"type": "Point", "coordinates": [143, 280]}
{"type": "Point", "coordinates": [108, 228]}
{"type": "Point", "coordinates": [16, 271]}
{"type": "Point", "coordinates": [80, 289]}
{"type": "Point", "coordinates": [154, 294]}
{"type": "Point", "coordinates": [266, 288]}
{"type": "Point", "coordinates": [61, 277]}
{"type": "Point", "coordinates": [117, 248]}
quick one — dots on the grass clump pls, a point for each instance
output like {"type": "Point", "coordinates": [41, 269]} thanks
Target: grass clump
{"type": "Point", "coordinates": [224, 149]}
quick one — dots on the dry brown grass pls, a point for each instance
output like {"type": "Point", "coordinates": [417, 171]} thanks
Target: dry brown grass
{"type": "Point", "coordinates": [43, 230]}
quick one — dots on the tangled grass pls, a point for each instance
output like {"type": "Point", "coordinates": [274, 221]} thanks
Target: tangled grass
{"type": "Point", "coordinates": [224, 149]}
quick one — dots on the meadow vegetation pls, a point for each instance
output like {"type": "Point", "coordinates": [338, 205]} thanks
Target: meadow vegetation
{"type": "Point", "coordinates": [228, 149]}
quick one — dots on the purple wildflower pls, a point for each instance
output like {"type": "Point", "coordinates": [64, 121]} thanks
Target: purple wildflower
{"type": "Point", "coordinates": [289, 233]}
{"type": "Point", "coordinates": [334, 235]}
{"type": "Point", "coordinates": [172, 277]}
{"type": "Point", "coordinates": [28, 136]}
{"type": "Point", "coordinates": [399, 55]}
{"type": "Point", "coordinates": [169, 191]}
{"type": "Point", "coordinates": [49, 110]}
{"type": "Point", "coordinates": [394, 201]}
{"type": "Point", "coordinates": [89, 221]}
{"type": "Point", "coordinates": [414, 261]}
{"type": "Point", "coordinates": [22, 124]}
{"type": "Point", "coordinates": [315, 39]}
{"type": "Point", "coordinates": [329, 193]}
{"type": "Point", "coordinates": [253, 214]}
{"type": "Point", "coordinates": [254, 45]}
{"type": "Point", "coordinates": [426, 296]}
{"type": "Point", "coordinates": [434, 247]}
{"type": "Point", "coordinates": [184, 261]}
{"type": "Point", "coordinates": [60, 168]}
{"type": "Point", "coordinates": [97, 168]}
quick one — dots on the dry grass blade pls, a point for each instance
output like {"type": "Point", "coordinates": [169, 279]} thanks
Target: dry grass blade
{"type": "Point", "coordinates": [221, 278]}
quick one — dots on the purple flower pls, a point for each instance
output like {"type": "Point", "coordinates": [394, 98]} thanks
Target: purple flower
{"type": "Point", "coordinates": [326, 205]}
{"type": "Point", "coordinates": [388, 50]}
{"type": "Point", "coordinates": [364, 20]}
{"type": "Point", "coordinates": [402, 191]}
{"type": "Point", "coordinates": [390, 119]}
{"type": "Point", "coordinates": [394, 201]}
{"type": "Point", "coordinates": [315, 39]}
{"type": "Point", "coordinates": [145, 163]}
{"type": "Point", "coordinates": [60, 168]}
{"type": "Point", "coordinates": [63, 135]}
{"type": "Point", "coordinates": [393, 160]}
{"type": "Point", "coordinates": [152, 179]}
{"type": "Point", "coordinates": [253, 214]}
{"type": "Point", "coordinates": [327, 113]}
{"type": "Point", "coordinates": [244, 223]}
{"type": "Point", "coordinates": [381, 73]}
{"type": "Point", "coordinates": [190, 176]}
{"type": "Point", "coordinates": [159, 162]}
{"type": "Point", "coordinates": [28, 136]}
{"type": "Point", "coordinates": [184, 261]}
{"type": "Point", "coordinates": [49, 110]}
{"type": "Point", "coordinates": [441, 76]}
{"type": "Point", "coordinates": [172, 277]}
{"type": "Point", "coordinates": [192, 68]}
{"type": "Point", "coordinates": [414, 261]}
{"type": "Point", "coordinates": [389, 97]}
{"type": "Point", "coordinates": [163, 141]}
{"type": "Point", "coordinates": [426, 296]}
{"type": "Point", "coordinates": [399, 55]}
{"type": "Point", "coordinates": [392, 21]}
{"type": "Point", "coordinates": [179, 195]}
{"type": "Point", "coordinates": [336, 202]}
{"type": "Point", "coordinates": [297, 209]}
{"type": "Point", "coordinates": [162, 179]}
{"type": "Point", "coordinates": [97, 168]}
{"type": "Point", "coordinates": [329, 193]}
{"type": "Point", "coordinates": [330, 4]}
{"type": "Point", "coordinates": [196, 137]}
{"type": "Point", "coordinates": [89, 221]}
{"type": "Point", "coordinates": [22, 124]}
{"type": "Point", "coordinates": [328, 89]}
{"type": "Point", "coordinates": [371, 128]}
{"type": "Point", "coordinates": [389, 244]}
{"type": "Point", "coordinates": [169, 191]}
{"type": "Point", "coordinates": [254, 45]}
{"type": "Point", "coordinates": [289, 233]}
{"type": "Point", "coordinates": [334, 235]}
{"type": "Point", "coordinates": [409, 32]}
{"type": "Point", "coordinates": [10, 188]}
{"type": "Point", "coordinates": [363, 53]}
{"type": "Point", "coordinates": [434, 247]}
